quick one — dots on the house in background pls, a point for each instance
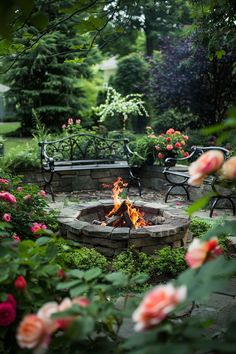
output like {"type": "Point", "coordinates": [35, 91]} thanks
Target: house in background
{"type": "Point", "coordinates": [109, 67]}
{"type": "Point", "coordinates": [3, 90]}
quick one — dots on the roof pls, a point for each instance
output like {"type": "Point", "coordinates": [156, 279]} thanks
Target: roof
{"type": "Point", "coordinates": [109, 64]}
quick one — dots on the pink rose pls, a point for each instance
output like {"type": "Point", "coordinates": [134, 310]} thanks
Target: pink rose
{"type": "Point", "coordinates": [157, 148]}
{"type": "Point", "coordinates": [186, 154]}
{"type": "Point", "coordinates": [19, 189]}
{"type": "Point", "coordinates": [160, 155]}
{"type": "Point", "coordinates": [70, 121]}
{"type": "Point", "coordinates": [169, 147]}
{"type": "Point", "coordinates": [206, 164]}
{"type": "Point", "coordinates": [229, 169]}
{"type": "Point", "coordinates": [157, 304]}
{"type": "Point", "coordinates": [16, 237]}
{"type": "Point", "coordinates": [170, 131]}
{"type": "Point", "coordinates": [177, 145]}
{"type": "Point", "coordinates": [7, 313]}
{"type": "Point", "coordinates": [42, 193]}
{"type": "Point", "coordinates": [8, 197]}
{"type": "Point", "coordinates": [63, 126]}
{"type": "Point", "coordinates": [6, 217]}
{"type": "Point", "coordinates": [168, 139]}
{"type": "Point", "coordinates": [4, 181]}
{"type": "Point", "coordinates": [27, 197]}
{"type": "Point", "coordinates": [82, 301]}
{"type": "Point", "coordinates": [45, 313]}
{"type": "Point", "coordinates": [36, 227]}
{"type": "Point", "coordinates": [31, 332]}
{"type": "Point", "coordinates": [201, 251]}
{"type": "Point", "coordinates": [78, 121]}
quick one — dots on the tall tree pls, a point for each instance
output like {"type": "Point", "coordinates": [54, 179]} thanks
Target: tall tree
{"type": "Point", "coordinates": [44, 78]}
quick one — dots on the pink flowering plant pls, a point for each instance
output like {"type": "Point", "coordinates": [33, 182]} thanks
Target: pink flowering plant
{"type": "Point", "coordinates": [22, 208]}
{"type": "Point", "coordinates": [72, 126]}
{"type": "Point", "coordinates": [152, 147]}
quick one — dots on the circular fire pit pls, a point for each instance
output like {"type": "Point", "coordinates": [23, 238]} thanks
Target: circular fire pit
{"type": "Point", "coordinates": [168, 229]}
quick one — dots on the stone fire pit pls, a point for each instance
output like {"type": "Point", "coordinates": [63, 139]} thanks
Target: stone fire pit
{"type": "Point", "coordinates": [76, 224]}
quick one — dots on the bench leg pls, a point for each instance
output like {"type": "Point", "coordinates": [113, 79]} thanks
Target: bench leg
{"type": "Point", "coordinates": [177, 185]}
{"type": "Point", "coordinates": [214, 203]}
{"type": "Point", "coordinates": [48, 185]}
{"type": "Point", "coordinates": [134, 180]}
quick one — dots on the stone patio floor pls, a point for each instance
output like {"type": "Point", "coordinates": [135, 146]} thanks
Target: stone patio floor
{"type": "Point", "coordinates": [220, 304]}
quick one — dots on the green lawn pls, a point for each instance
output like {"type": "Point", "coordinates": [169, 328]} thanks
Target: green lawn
{"type": "Point", "coordinates": [8, 127]}
{"type": "Point", "coordinates": [10, 143]}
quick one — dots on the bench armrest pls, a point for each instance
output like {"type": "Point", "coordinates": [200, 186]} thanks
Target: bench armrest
{"type": "Point", "coordinates": [46, 161]}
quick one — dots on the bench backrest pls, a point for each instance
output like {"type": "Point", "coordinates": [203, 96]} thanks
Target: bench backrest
{"type": "Point", "coordinates": [84, 146]}
{"type": "Point", "coordinates": [195, 152]}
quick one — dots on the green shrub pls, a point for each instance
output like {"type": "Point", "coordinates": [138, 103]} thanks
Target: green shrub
{"type": "Point", "coordinates": [199, 226]}
{"type": "Point", "coordinates": [169, 262]}
{"type": "Point", "coordinates": [132, 262]}
{"type": "Point", "coordinates": [71, 256]}
{"type": "Point", "coordinates": [173, 118]}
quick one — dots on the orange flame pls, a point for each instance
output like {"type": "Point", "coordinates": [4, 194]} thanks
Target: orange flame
{"type": "Point", "coordinates": [135, 215]}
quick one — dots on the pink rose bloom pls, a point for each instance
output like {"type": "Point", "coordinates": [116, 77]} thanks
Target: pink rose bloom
{"type": "Point", "coordinates": [169, 147]}
{"type": "Point", "coordinates": [160, 155]}
{"type": "Point", "coordinates": [42, 193]}
{"type": "Point", "coordinates": [170, 131]}
{"type": "Point", "coordinates": [70, 121]}
{"type": "Point", "coordinates": [63, 126]}
{"type": "Point", "coordinates": [6, 217]}
{"type": "Point", "coordinates": [27, 197]}
{"type": "Point", "coordinates": [206, 164]}
{"type": "Point", "coordinates": [82, 301]}
{"type": "Point", "coordinates": [7, 313]}
{"type": "Point", "coordinates": [78, 121]}
{"type": "Point", "coordinates": [16, 238]}
{"type": "Point", "coordinates": [8, 197]}
{"type": "Point", "coordinates": [32, 333]}
{"type": "Point", "coordinates": [36, 227]}
{"type": "Point", "coordinates": [201, 251]}
{"type": "Point", "coordinates": [65, 322]}
{"type": "Point", "coordinates": [186, 154]}
{"type": "Point", "coordinates": [19, 189]}
{"type": "Point", "coordinates": [168, 139]}
{"type": "Point", "coordinates": [157, 304]}
{"type": "Point", "coordinates": [4, 181]}
{"type": "Point", "coordinates": [157, 148]}
{"type": "Point", "coordinates": [229, 169]}
{"type": "Point", "coordinates": [177, 145]}
{"type": "Point", "coordinates": [45, 313]}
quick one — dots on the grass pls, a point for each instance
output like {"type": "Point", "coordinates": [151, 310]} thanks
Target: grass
{"type": "Point", "coordinates": [10, 127]}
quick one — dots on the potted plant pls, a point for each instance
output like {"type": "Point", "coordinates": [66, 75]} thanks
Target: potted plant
{"type": "Point", "coordinates": [152, 147]}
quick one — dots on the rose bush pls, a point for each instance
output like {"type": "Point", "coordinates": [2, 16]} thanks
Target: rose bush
{"type": "Point", "coordinates": [24, 208]}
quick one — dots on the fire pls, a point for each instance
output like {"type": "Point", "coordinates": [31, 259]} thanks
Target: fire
{"type": "Point", "coordinates": [136, 217]}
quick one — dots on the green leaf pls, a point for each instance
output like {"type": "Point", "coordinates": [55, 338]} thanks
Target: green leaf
{"type": "Point", "coordinates": [42, 241]}
{"type": "Point", "coordinates": [199, 204]}
{"type": "Point", "coordinates": [68, 284]}
{"type": "Point", "coordinates": [79, 290]}
{"type": "Point", "coordinates": [92, 274]}
{"type": "Point", "coordinates": [140, 278]}
{"type": "Point", "coordinates": [76, 273]}
{"type": "Point", "coordinates": [220, 53]}
{"type": "Point", "coordinates": [81, 328]}
{"type": "Point", "coordinates": [117, 278]}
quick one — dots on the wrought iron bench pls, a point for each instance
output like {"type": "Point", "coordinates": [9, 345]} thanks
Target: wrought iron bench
{"type": "Point", "coordinates": [177, 177]}
{"type": "Point", "coordinates": [83, 151]}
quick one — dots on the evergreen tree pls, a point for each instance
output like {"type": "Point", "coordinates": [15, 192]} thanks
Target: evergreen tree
{"type": "Point", "coordinates": [45, 79]}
